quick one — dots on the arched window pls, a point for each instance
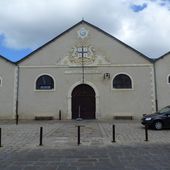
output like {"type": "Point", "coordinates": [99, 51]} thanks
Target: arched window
{"type": "Point", "coordinates": [45, 82]}
{"type": "Point", "coordinates": [168, 79]}
{"type": "Point", "coordinates": [122, 81]}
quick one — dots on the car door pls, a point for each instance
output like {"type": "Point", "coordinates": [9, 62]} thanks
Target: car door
{"type": "Point", "coordinates": [168, 120]}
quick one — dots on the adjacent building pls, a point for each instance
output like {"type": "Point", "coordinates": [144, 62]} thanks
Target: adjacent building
{"type": "Point", "coordinates": [8, 89]}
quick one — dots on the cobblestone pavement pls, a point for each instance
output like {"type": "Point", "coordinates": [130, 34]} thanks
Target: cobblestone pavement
{"type": "Point", "coordinates": [21, 150]}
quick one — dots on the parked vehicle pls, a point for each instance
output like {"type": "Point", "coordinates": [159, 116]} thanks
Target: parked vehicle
{"type": "Point", "coordinates": [158, 120]}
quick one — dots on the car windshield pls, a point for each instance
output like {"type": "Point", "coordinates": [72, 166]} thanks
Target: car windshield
{"type": "Point", "coordinates": [164, 110]}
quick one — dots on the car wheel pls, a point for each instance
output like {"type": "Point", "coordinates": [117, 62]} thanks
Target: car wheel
{"type": "Point", "coordinates": [158, 125]}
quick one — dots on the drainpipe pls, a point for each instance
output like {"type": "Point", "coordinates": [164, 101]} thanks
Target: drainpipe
{"type": "Point", "coordinates": [17, 95]}
{"type": "Point", "coordinates": [155, 83]}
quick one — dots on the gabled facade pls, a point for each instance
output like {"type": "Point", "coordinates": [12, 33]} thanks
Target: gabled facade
{"type": "Point", "coordinates": [8, 89]}
{"type": "Point", "coordinates": [85, 72]}
{"type": "Point", "coordinates": [162, 73]}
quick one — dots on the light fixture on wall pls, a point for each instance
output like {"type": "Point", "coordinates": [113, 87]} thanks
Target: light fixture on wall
{"type": "Point", "coordinates": [106, 75]}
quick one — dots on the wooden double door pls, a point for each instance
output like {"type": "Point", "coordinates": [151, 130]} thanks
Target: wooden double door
{"type": "Point", "coordinates": [83, 102]}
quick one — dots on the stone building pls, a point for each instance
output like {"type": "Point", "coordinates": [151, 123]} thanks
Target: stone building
{"type": "Point", "coordinates": [83, 72]}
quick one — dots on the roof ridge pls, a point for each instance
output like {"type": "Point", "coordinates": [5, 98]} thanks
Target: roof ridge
{"type": "Point", "coordinates": [95, 27]}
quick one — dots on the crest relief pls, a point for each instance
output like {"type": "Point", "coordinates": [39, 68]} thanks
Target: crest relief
{"type": "Point", "coordinates": [85, 54]}
{"type": "Point", "coordinates": [82, 33]}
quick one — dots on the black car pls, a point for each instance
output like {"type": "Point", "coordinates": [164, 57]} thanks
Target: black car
{"type": "Point", "coordinates": [158, 120]}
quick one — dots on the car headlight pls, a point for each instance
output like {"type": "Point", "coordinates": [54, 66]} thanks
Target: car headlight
{"type": "Point", "coordinates": [148, 118]}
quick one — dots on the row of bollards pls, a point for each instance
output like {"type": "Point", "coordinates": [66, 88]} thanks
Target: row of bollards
{"type": "Point", "coordinates": [113, 134]}
{"type": "Point", "coordinates": [78, 135]}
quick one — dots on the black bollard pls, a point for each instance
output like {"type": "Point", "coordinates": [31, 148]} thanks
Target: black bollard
{"type": "Point", "coordinates": [113, 134]}
{"type": "Point", "coordinates": [146, 133]}
{"type": "Point", "coordinates": [17, 118]}
{"type": "Point", "coordinates": [78, 135]}
{"type": "Point", "coordinates": [59, 114]}
{"type": "Point", "coordinates": [41, 136]}
{"type": "Point", "coordinates": [0, 138]}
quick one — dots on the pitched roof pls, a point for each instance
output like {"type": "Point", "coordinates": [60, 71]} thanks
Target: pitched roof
{"type": "Point", "coordinates": [161, 57]}
{"type": "Point", "coordinates": [95, 27]}
{"type": "Point", "coordinates": [2, 57]}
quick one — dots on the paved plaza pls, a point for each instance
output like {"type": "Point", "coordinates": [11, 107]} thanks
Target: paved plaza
{"type": "Point", "coordinates": [21, 150]}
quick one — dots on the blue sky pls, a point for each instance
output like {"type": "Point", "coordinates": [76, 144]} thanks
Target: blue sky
{"type": "Point", "coordinates": [12, 53]}
{"type": "Point", "coordinates": [138, 8]}
{"type": "Point", "coordinates": [27, 25]}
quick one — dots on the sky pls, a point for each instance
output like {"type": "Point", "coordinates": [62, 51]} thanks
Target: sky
{"type": "Point", "coordinates": [26, 25]}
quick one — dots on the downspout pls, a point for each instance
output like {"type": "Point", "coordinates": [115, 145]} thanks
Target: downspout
{"type": "Point", "coordinates": [17, 95]}
{"type": "Point", "coordinates": [155, 83]}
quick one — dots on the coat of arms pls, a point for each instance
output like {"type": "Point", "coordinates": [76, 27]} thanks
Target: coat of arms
{"type": "Point", "coordinates": [83, 54]}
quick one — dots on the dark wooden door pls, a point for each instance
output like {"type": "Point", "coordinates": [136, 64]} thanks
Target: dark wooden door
{"type": "Point", "coordinates": [83, 102]}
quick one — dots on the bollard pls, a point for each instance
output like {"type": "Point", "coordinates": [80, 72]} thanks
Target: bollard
{"type": "Point", "coordinates": [0, 138]}
{"type": "Point", "coordinates": [113, 133]}
{"type": "Point", "coordinates": [41, 136]}
{"type": "Point", "coordinates": [59, 114]}
{"type": "Point", "coordinates": [17, 118]}
{"type": "Point", "coordinates": [78, 135]}
{"type": "Point", "coordinates": [146, 133]}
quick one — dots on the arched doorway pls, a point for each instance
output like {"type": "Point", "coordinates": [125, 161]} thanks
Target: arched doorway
{"type": "Point", "coordinates": [83, 102]}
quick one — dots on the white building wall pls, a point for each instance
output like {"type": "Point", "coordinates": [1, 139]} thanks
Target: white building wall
{"type": "Point", "coordinates": [110, 102]}
{"type": "Point", "coordinates": [7, 89]}
{"type": "Point", "coordinates": [112, 57]}
{"type": "Point", "coordinates": [163, 87]}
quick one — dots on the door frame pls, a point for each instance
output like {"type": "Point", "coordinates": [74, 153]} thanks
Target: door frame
{"type": "Point", "coordinates": [69, 99]}
{"type": "Point", "coordinates": [86, 99]}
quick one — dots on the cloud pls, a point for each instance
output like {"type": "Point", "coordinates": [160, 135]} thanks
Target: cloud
{"type": "Point", "coordinates": [29, 24]}
{"type": "Point", "coordinates": [146, 31]}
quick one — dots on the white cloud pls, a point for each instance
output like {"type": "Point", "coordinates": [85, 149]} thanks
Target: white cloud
{"type": "Point", "coordinates": [29, 24]}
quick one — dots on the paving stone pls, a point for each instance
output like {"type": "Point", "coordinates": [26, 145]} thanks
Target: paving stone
{"type": "Point", "coordinates": [20, 149]}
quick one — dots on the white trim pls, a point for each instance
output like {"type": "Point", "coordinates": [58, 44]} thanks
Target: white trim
{"type": "Point", "coordinates": [123, 89]}
{"type": "Point", "coordinates": [69, 98]}
{"type": "Point", "coordinates": [167, 78]}
{"type": "Point", "coordinates": [80, 72]}
{"type": "Point", "coordinates": [15, 92]}
{"type": "Point", "coordinates": [106, 65]}
{"type": "Point", "coordinates": [47, 89]}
